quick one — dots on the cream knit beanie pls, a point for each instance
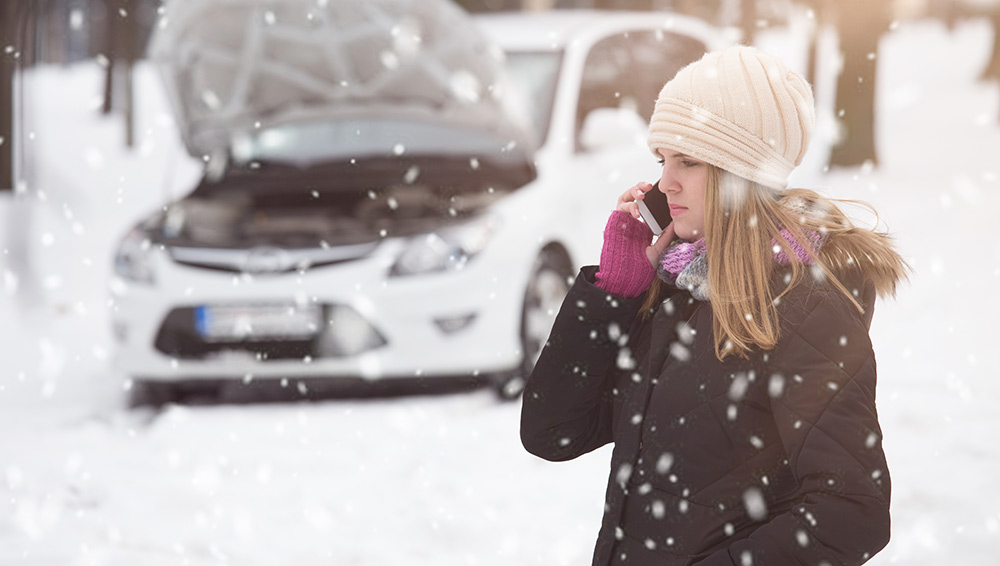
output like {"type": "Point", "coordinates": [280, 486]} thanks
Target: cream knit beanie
{"type": "Point", "coordinates": [739, 109]}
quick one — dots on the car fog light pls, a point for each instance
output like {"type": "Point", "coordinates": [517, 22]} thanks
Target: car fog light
{"type": "Point", "coordinates": [347, 333]}
{"type": "Point", "coordinates": [455, 323]}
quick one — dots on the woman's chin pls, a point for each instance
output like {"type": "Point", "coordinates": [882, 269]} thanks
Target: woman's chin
{"type": "Point", "coordinates": [686, 233]}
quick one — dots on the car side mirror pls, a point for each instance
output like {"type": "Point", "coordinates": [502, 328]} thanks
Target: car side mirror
{"type": "Point", "coordinates": [606, 128]}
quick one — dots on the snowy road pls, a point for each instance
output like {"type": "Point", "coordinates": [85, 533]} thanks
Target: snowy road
{"type": "Point", "coordinates": [426, 480]}
{"type": "Point", "coordinates": [442, 479]}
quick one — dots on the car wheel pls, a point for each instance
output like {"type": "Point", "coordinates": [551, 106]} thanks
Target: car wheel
{"type": "Point", "coordinates": [547, 287]}
{"type": "Point", "coordinates": [153, 394]}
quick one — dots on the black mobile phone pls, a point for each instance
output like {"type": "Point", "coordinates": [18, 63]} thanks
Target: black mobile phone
{"type": "Point", "coordinates": [654, 209]}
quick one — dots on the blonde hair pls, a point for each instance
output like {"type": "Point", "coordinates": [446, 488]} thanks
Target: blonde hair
{"type": "Point", "coordinates": [743, 224]}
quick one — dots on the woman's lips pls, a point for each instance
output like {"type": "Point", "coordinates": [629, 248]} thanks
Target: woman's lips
{"type": "Point", "coordinates": [676, 209]}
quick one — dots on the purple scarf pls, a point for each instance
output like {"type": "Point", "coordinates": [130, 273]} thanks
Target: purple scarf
{"type": "Point", "coordinates": [683, 264]}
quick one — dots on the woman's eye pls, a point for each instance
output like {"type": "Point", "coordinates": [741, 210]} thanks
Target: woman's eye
{"type": "Point", "coordinates": [660, 161]}
{"type": "Point", "coordinates": [689, 163]}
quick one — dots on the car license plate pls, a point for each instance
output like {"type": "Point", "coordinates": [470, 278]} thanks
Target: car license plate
{"type": "Point", "coordinates": [257, 322]}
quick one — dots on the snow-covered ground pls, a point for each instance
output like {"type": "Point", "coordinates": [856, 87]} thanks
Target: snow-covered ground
{"type": "Point", "coordinates": [442, 479]}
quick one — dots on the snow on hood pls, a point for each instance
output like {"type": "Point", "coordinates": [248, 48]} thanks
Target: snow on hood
{"type": "Point", "coordinates": [234, 65]}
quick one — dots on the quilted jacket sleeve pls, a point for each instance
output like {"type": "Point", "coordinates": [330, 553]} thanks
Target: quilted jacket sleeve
{"type": "Point", "coordinates": [568, 404]}
{"type": "Point", "coordinates": [823, 402]}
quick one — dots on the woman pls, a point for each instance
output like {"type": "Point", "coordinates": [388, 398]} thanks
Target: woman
{"type": "Point", "coordinates": [729, 362]}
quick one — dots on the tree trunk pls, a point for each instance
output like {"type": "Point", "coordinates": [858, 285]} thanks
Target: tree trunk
{"type": "Point", "coordinates": [860, 25]}
{"type": "Point", "coordinates": [992, 70]}
{"type": "Point", "coordinates": [18, 28]}
{"type": "Point", "coordinates": [812, 55]}
{"type": "Point", "coordinates": [8, 29]}
{"type": "Point", "coordinates": [748, 20]}
{"type": "Point", "coordinates": [820, 19]}
{"type": "Point", "coordinates": [123, 50]}
{"type": "Point", "coordinates": [110, 23]}
{"type": "Point", "coordinates": [130, 32]}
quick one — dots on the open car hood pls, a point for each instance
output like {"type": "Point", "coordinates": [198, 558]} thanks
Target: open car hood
{"type": "Point", "coordinates": [235, 65]}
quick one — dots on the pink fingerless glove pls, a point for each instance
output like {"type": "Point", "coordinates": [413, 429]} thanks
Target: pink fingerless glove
{"type": "Point", "coordinates": [625, 270]}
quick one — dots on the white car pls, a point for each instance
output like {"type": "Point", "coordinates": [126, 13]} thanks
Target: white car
{"type": "Point", "coordinates": [370, 236]}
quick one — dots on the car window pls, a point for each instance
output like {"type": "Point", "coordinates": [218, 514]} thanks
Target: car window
{"type": "Point", "coordinates": [605, 82]}
{"type": "Point", "coordinates": [628, 70]}
{"type": "Point", "coordinates": [534, 74]}
{"type": "Point", "coordinates": [657, 56]}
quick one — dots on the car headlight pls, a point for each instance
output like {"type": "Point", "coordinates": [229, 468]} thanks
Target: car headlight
{"type": "Point", "coordinates": [133, 261]}
{"type": "Point", "coordinates": [447, 249]}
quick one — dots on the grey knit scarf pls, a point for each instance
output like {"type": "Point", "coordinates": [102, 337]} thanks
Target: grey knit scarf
{"type": "Point", "coordinates": [684, 264]}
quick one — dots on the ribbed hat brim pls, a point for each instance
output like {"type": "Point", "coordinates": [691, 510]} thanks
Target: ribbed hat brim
{"type": "Point", "coordinates": [684, 127]}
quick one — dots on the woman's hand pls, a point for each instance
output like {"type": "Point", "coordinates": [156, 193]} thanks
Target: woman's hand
{"type": "Point", "coordinates": [627, 203]}
{"type": "Point", "coordinates": [662, 241]}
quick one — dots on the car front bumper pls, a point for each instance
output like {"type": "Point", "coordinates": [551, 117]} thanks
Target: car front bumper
{"type": "Point", "coordinates": [458, 323]}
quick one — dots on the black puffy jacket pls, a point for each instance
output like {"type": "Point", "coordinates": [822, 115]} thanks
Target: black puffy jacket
{"type": "Point", "coordinates": [772, 460]}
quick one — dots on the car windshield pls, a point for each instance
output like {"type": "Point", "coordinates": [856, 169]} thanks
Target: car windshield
{"type": "Point", "coordinates": [324, 141]}
{"type": "Point", "coordinates": [534, 74]}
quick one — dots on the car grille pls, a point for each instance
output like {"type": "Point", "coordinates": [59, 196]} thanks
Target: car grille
{"type": "Point", "coordinates": [342, 332]}
{"type": "Point", "coordinates": [267, 259]}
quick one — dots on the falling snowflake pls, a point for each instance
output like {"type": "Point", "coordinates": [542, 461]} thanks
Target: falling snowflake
{"type": "Point", "coordinates": [756, 506]}
{"type": "Point", "coordinates": [625, 360]}
{"type": "Point", "coordinates": [685, 333]}
{"type": "Point", "coordinates": [664, 463]}
{"type": "Point", "coordinates": [680, 351]}
{"type": "Point", "coordinates": [776, 385]}
{"type": "Point", "coordinates": [411, 174]}
{"type": "Point", "coordinates": [738, 388]}
{"type": "Point", "coordinates": [465, 87]}
{"type": "Point", "coordinates": [614, 331]}
{"type": "Point", "coordinates": [624, 473]}
{"type": "Point", "coordinates": [389, 60]}
{"type": "Point", "coordinates": [871, 440]}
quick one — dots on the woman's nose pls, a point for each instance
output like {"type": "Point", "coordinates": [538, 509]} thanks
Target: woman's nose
{"type": "Point", "coordinates": [667, 182]}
